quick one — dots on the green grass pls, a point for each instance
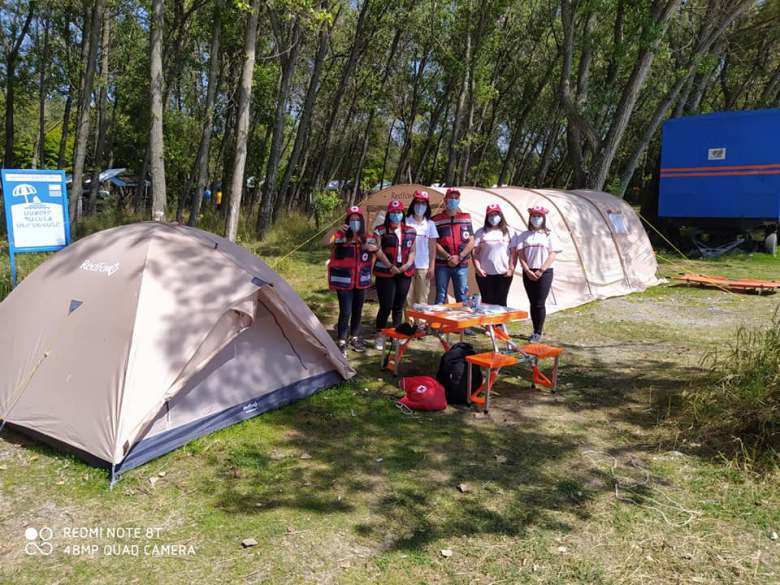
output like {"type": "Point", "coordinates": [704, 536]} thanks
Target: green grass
{"type": "Point", "coordinates": [594, 485]}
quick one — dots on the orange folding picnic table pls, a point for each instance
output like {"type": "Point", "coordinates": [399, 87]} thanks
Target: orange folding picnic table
{"type": "Point", "coordinates": [455, 317]}
{"type": "Point", "coordinates": [446, 319]}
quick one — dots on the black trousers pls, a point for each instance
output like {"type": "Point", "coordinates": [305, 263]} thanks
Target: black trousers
{"type": "Point", "coordinates": [494, 288]}
{"type": "Point", "coordinates": [350, 311]}
{"type": "Point", "coordinates": [537, 291]}
{"type": "Point", "coordinates": [392, 293]}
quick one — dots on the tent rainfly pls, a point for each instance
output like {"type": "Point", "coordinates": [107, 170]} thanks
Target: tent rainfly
{"type": "Point", "coordinates": [135, 340]}
{"type": "Point", "coordinates": [606, 251]}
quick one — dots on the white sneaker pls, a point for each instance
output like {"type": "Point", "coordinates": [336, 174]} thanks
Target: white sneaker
{"type": "Point", "coordinates": [379, 342]}
{"type": "Point", "coordinates": [342, 347]}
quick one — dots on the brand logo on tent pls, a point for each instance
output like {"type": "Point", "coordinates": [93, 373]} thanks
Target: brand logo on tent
{"type": "Point", "coordinates": [101, 267]}
{"type": "Point", "coordinates": [251, 407]}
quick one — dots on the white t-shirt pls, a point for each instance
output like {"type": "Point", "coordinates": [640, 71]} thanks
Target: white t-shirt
{"type": "Point", "coordinates": [493, 249]}
{"type": "Point", "coordinates": [426, 231]}
{"type": "Point", "coordinates": [537, 245]}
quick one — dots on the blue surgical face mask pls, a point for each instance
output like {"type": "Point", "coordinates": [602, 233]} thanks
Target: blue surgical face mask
{"type": "Point", "coordinates": [396, 217]}
{"type": "Point", "coordinates": [419, 209]}
{"type": "Point", "coordinates": [537, 221]}
{"type": "Point", "coordinates": [453, 204]}
{"type": "Point", "coordinates": [355, 225]}
{"type": "Point", "coordinates": [494, 219]}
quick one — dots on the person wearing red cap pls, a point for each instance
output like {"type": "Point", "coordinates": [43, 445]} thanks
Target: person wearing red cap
{"type": "Point", "coordinates": [349, 274]}
{"type": "Point", "coordinates": [537, 249]}
{"type": "Point", "coordinates": [494, 256]}
{"type": "Point", "coordinates": [419, 217]}
{"type": "Point", "coordinates": [394, 267]}
{"type": "Point", "coordinates": [453, 248]}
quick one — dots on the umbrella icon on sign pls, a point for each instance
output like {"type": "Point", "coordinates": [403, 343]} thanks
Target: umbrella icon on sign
{"type": "Point", "coordinates": [25, 190]}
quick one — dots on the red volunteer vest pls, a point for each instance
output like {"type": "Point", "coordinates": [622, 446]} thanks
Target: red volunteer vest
{"type": "Point", "coordinates": [350, 264]}
{"type": "Point", "coordinates": [389, 244]}
{"type": "Point", "coordinates": [454, 233]}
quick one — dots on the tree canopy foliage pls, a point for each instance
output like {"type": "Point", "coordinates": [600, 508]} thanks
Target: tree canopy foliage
{"type": "Point", "coordinates": [565, 93]}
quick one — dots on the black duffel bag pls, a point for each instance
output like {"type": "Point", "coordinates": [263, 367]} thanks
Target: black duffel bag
{"type": "Point", "coordinates": [453, 373]}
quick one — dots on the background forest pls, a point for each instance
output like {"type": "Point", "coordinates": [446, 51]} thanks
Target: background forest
{"type": "Point", "coordinates": [282, 103]}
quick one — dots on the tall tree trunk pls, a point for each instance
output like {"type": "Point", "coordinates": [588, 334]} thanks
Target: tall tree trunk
{"type": "Point", "coordinates": [661, 13]}
{"type": "Point", "coordinates": [372, 113]}
{"type": "Point", "coordinates": [771, 92]}
{"type": "Point", "coordinates": [346, 73]}
{"type": "Point", "coordinates": [530, 100]}
{"type": "Point", "coordinates": [454, 148]}
{"type": "Point", "coordinates": [65, 128]}
{"type": "Point", "coordinates": [156, 141]}
{"type": "Point", "coordinates": [387, 151]}
{"type": "Point", "coordinates": [403, 161]}
{"type": "Point", "coordinates": [92, 31]}
{"type": "Point", "coordinates": [307, 113]}
{"type": "Point", "coordinates": [270, 192]}
{"type": "Point", "coordinates": [553, 135]}
{"type": "Point", "coordinates": [242, 123]}
{"type": "Point", "coordinates": [102, 122]}
{"type": "Point", "coordinates": [433, 123]}
{"type": "Point", "coordinates": [465, 157]}
{"type": "Point", "coordinates": [42, 64]}
{"type": "Point", "coordinates": [202, 161]}
{"type": "Point", "coordinates": [710, 34]}
{"type": "Point", "coordinates": [10, 85]}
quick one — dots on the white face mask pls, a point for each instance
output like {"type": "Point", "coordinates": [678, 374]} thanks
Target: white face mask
{"type": "Point", "coordinates": [494, 219]}
{"type": "Point", "coordinates": [419, 209]}
{"type": "Point", "coordinates": [537, 221]}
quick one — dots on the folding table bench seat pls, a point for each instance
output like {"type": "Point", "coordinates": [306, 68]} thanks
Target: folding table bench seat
{"type": "Point", "coordinates": [492, 362]}
{"type": "Point", "coordinates": [538, 352]}
{"type": "Point", "coordinates": [395, 352]}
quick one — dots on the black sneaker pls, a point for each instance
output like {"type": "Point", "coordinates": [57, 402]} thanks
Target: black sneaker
{"type": "Point", "coordinates": [357, 344]}
{"type": "Point", "coordinates": [469, 331]}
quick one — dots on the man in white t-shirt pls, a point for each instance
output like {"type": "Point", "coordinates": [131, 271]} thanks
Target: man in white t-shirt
{"type": "Point", "coordinates": [418, 217]}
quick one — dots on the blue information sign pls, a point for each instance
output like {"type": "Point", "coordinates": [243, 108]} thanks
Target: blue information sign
{"type": "Point", "coordinates": [36, 212]}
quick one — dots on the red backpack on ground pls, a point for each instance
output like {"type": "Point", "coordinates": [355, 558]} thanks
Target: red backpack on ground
{"type": "Point", "coordinates": [423, 393]}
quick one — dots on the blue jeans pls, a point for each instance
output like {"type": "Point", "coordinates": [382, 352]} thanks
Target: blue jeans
{"type": "Point", "coordinates": [460, 282]}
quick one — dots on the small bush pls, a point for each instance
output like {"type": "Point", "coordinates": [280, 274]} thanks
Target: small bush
{"type": "Point", "coordinates": [737, 407]}
{"type": "Point", "coordinates": [326, 203]}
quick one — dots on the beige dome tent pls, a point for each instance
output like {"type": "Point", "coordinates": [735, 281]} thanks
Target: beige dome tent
{"type": "Point", "coordinates": [606, 251]}
{"type": "Point", "coordinates": [133, 341]}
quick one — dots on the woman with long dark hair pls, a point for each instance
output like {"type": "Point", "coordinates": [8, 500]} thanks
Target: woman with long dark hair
{"type": "Point", "coordinates": [537, 249]}
{"type": "Point", "coordinates": [349, 274]}
{"type": "Point", "coordinates": [394, 267]}
{"type": "Point", "coordinates": [494, 257]}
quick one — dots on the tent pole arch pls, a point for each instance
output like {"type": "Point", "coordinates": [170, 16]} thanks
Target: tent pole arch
{"type": "Point", "coordinates": [611, 233]}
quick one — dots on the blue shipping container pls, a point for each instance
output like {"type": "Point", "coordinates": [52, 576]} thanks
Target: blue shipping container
{"type": "Point", "coordinates": [724, 165]}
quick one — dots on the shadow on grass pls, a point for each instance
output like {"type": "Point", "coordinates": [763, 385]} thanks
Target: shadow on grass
{"type": "Point", "coordinates": [405, 471]}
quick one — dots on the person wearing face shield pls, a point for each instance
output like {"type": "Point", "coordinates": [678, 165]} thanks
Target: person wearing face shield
{"type": "Point", "coordinates": [494, 257]}
{"type": "Point", "coordinates": [536, 251]}
{"type": "Point", "coordinates": [453, 248]}
{"type": "Point", "coordinates": [418, 216]}
{"type": "Point", "coordinates": [349, 274]}
{"type": "Point", "coordinates": [394, 267]}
